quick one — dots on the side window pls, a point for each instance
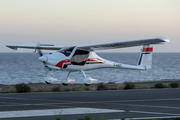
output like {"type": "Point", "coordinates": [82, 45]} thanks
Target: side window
{"type": "Point", "coordinates": [66, 51]}
{"type": "Point", "coordinates": [80, 57]}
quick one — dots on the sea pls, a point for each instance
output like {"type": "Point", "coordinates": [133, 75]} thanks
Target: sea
{"type": "Point", "coordinates": [18, 68]}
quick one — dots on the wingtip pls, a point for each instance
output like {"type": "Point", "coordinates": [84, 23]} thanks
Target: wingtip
{"type": "Point", "coordinates": [166, 40]}
{"type": "Point", "coordinates": [9, 46]}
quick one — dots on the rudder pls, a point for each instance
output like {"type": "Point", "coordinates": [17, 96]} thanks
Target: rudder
{"type": "Point", "coordinates": [145, 59]}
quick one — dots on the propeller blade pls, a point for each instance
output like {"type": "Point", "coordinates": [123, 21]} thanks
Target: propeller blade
{"type": "Point", "coordinates": [40, 52]}
{"type": "Point", "coordinates": [38, 49]}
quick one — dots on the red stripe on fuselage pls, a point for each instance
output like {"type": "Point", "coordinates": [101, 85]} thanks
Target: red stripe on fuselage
{"type": "Point", "coordinates": [147, 49]}
{"type": "Point", "coordinates": [93, 59]}
{"type": "Point", "coordinates": [60, 64]}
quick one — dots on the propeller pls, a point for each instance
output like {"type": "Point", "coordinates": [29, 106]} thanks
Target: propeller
{"type": "Point", "coordinates": [40, 52]}
{"type": "Point", "coordinates": [43, 59]}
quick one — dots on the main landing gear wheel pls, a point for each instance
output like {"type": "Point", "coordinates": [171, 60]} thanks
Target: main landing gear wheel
{"type": "Point", "coordinates": [67, 80]}
{"type": "Point", "coordinates": [88, 80]}
{"type": "Point", "coordinates": [87, 84]}
{"type": "Point", "coordinates": [65, 84]}
{"type": "Point", "coordinates": [47, 82]}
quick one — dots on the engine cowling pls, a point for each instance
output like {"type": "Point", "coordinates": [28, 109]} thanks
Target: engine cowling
{"type": "Point", "coordinates": [88, 80]}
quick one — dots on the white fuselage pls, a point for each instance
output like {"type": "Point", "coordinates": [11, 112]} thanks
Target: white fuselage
{"type": "Point", "coordinates": [61, 62]}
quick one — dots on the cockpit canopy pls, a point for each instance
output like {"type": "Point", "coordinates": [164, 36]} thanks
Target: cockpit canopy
{"type": "Point", "coordinates": [66, 51]}
{"type": "Point", "coordinates": [78, 58]}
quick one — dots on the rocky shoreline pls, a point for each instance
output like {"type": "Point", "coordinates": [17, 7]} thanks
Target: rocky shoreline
{"type": "Point", "coordinates": [43, 87]}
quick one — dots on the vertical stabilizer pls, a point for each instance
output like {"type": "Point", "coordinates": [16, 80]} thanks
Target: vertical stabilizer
{"type": "Point", "coordinates": [145, 59]}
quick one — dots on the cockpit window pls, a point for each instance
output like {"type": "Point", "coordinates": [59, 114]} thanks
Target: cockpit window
{"type": "Point", "coordinates": [80, 57]}
{"type": "Point", "coordinates": [66, 51]}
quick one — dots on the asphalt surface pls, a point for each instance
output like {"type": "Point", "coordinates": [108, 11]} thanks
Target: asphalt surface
{"type": "Point", "coordinates": [137, 104]}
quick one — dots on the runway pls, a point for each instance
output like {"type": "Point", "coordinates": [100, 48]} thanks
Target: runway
{"type": "Point", "coordinates": [135, 104]}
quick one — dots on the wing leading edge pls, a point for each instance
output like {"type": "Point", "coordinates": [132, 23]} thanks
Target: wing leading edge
{"type": "Point", "coordinates": [15, 47]}
{"type": "Point", "coordinates": [123, 44]}
{"type": "Point", "coordinates": [102, 46]}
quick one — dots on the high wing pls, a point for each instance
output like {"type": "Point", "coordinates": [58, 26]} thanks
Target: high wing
{"type": "Point", "coordinates": [43, 47]}
{"type": "Point", "coordinates": [102, 46]}
{"type": "Point", "coordinates": [123, 44]}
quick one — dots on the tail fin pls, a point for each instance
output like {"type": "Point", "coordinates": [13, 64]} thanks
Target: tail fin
{"type": "Point", "coordinates": [145, 59]}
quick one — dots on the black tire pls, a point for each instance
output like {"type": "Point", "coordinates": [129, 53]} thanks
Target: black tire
{"type": "Point", "coordinates": [65, 84]}
{"type": "Point", "coordinates": [87, 84]}
{"type": "Point", "coordinates": [48, 82]}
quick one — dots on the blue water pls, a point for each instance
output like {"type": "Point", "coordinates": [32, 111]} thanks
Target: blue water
{"type": "Point", "coordinates": [25, 67]}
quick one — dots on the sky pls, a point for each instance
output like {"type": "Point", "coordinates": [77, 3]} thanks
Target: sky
{"type": "Point", "coordinates": [82, 22]}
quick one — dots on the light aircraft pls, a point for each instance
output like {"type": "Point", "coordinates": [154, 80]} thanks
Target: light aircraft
{"type": "Point", "coordinates": [83, 57]}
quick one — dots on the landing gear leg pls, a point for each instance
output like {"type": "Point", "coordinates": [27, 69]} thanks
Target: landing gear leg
{"type": "Point", "coordinates": [83, 73]}
{"type": "Point", "coordinates": [66, 83]}
{"type": "Point", "coordinates": [52, 73]}
{"type": "Point", "coordinates": [88, 80]}
{"type": "Point", "coordinates": [67, 80]}
{"type": "Point", "coordinates": [49, 79]}
{"type": "Point", "coordinates": [85, 78]}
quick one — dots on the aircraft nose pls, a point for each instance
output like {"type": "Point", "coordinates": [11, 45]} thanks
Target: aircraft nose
{"type": "Point", "coordinates": [43, 58]}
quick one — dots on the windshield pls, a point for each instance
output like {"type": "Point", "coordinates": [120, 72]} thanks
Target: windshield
{"type": "Point", "coordinates": [66, 51]}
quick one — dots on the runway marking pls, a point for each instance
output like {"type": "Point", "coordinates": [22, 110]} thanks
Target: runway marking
{"type": "Point", "coordinates": [147, 118]}
{"type": "Point", "coordinates": [155, 113]}
{"type": "Point", "coordinates": [143, 118]}
{"type": "Point", "coordinates": [123, 101]}
{"type": "Point", "coordinates": [51, 112]}
{"type": "Point", "coordinates": [147, 106]}
{"type": "Point", "coordinates": [5, 102]}
{"type": "Point", "coordinates": [170, 99]}
{"type": "Point", "coordinates": [99, 102]}
{"type": "Point", "coordinates": [173, 99]}
{"type": "Point", "coordinates": [43, 104]}
{"type": "Point", "coordinates": [51, 104]}
{"type": "Point", "coordinates": [29, 99]}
